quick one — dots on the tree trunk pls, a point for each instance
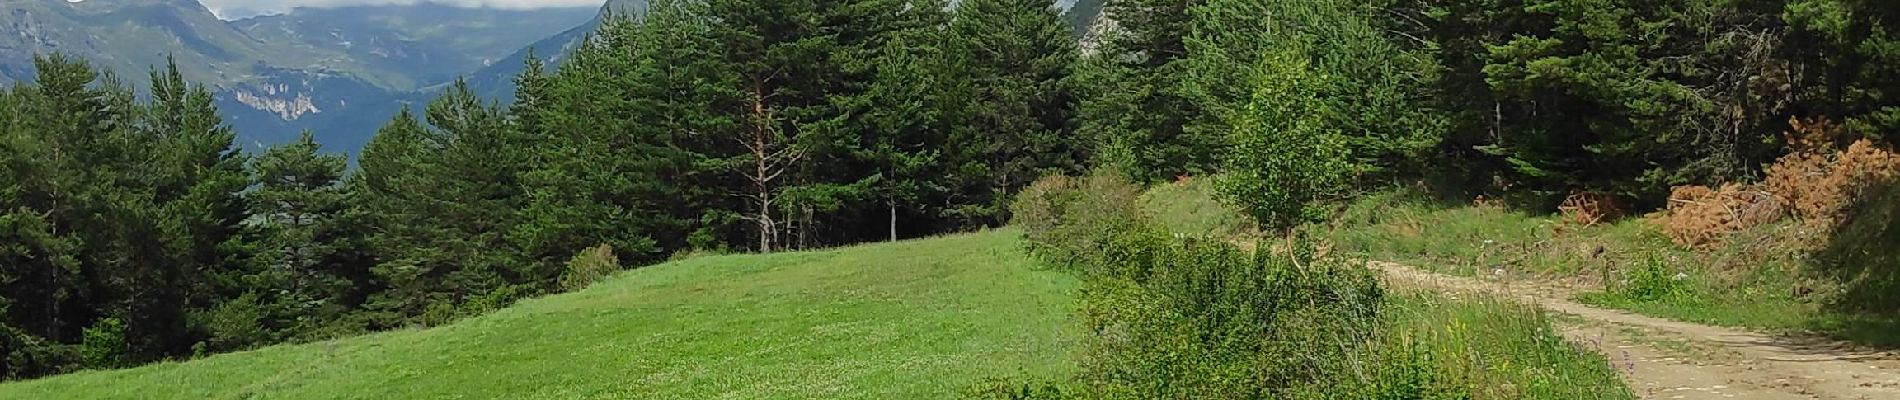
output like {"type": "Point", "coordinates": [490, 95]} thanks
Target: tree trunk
{"type": "Point", "coordinates": [893, 206]}
{"type": "Point", "coordinates": [762, 175]}
{"type": "Point", "coordinates": [804, 225]}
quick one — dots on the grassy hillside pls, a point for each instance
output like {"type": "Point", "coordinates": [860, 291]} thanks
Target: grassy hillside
{"type": "Point", "coordinates": [917, 319]}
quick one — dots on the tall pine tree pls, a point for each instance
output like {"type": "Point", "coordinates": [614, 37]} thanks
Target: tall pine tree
{"type": "Point", "coordinates": [1014, 119]}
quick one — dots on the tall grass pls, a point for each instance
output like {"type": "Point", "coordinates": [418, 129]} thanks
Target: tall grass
{"type": "Point", "coordinates": [1183, 315]}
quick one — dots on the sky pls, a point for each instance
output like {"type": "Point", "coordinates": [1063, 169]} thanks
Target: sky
{"type": "Point", "coordinates": [245, 8]}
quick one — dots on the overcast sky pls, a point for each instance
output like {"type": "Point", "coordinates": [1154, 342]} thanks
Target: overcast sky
{"type": "Point", "coordinates": [245, 8]}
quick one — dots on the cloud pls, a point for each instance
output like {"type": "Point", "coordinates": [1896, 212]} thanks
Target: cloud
{"type": "Point", "coordinates": [246, 8]}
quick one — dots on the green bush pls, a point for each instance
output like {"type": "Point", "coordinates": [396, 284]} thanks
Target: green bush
{"type": "Point", "coordinates": [1286, 159]}
{"type": "Point", "coordinates": [1195, 318]}
{"type": "Point", "coordinates": [103, 345]}
{"type": "Point", "coordinates": [588, 267]}
{"type": "Point", "coordinates": [1092, 225]}
{"type": "Point", "coordinates": [1006, 389]}
{"type": "Point", "coordinates": [237, 324]}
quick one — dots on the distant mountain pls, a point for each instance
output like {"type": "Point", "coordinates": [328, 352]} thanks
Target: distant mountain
{"type": "Point", "coordinates": [1082, 14]}
{"type": "Point", "coordinates": [339, 72]}
{"type": "Point", "coordinates": [497, 80]}
{"type": "Point", "coordinates": [415, 45]}
{"type": "Point", "coordinates": [130, 36]}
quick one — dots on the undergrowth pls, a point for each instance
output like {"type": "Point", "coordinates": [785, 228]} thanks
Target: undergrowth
{"type": "Point", "coordinates": [1175, 316]}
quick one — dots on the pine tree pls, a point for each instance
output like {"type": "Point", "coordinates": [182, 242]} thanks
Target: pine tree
{"type": "Point", "coordinates": [200, 175]}
{"type": "Point", "coordinates": [776, 50]}
{"type": "Point", "coordinates": [1015, 119]}
{"type": "Point", "coordinates": [310, 266]}
{"type": "Point", "coordinates": [904, 114]}
{"type": "Point", "coordinates": [693, 102]}
{"type": "Point", "coordinates": [392, 186]}
{"type": "Point", "coordinates": [587, 187]}
{"type": "Point", "coordinates": [1137, 107]}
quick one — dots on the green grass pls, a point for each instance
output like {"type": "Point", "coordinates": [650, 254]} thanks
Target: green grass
{"type": "Point", "coordinates": [917, 319]}
{"type": "Point", "coordinates": [1191, 207]}
{"type": "Point", "coordinates": [1498, 349]}
{"type": "Point", "coordinates": [1459, 348]}
{"type": "Point", "coordinates": [1754, 281]}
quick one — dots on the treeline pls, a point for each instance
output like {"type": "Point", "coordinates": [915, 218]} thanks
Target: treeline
{"type": "Point", "coordinates": [1532, 100]}
{"type": "Point", "coordinates": [131, 229]}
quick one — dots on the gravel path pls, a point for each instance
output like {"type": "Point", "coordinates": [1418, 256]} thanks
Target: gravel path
{"type": "Point", "coordinates": [1665, 359]}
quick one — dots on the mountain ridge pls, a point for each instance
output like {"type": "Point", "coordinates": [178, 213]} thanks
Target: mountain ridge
{"type": "Point", "coordinates": [339, 72]}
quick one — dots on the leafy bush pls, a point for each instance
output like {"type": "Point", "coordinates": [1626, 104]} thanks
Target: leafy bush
{"type": "Point", "coordinates": [1285, 158]}
{"type": "Point", "coordinates": [1005, 389]}
{"type": "Point", "coordinates": [1195, 318]}
{"type": "Point", "coordinates": [237, 324]}
{"type": "Point", "coordinates": [1219, 323]}
{"type": "Point", "coordinates": [103, 344]}
{"type": "Point", "coordinates": [1092, 225]}
{"type": "Point", "coordinates": [589, 266]}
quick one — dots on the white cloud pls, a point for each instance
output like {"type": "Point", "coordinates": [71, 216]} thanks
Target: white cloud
{"type": "Point", "coordinates": [245, 8]}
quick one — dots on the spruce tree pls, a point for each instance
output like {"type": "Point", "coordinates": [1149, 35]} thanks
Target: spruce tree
{"type": "Point", "coordinates": [589, 185]}
{"type": "Point", "coordinates": [200, 175]}
{"type": "Point", "coordinates": [1015, 117]}
{"type": "Point", "coordinates": [309, 265]}
{"type": "Point", "coordinates": [1136, 106]}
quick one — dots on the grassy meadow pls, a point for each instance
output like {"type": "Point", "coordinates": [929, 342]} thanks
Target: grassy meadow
{"type": "Point", "coordinates": [909, 320]}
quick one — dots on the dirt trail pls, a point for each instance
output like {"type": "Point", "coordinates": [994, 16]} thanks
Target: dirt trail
{"type": "Point", "coordinates": [1664, 359]}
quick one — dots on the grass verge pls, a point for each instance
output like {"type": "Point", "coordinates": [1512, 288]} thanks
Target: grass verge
{"type": "Point", "coordinates": [1753, 280]}
{"type": "Point", "coordinates": [1498, 349]}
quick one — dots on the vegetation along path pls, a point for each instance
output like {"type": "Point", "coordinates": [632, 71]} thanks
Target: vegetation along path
{"type": "Point", "coordinates": [1665, 359]}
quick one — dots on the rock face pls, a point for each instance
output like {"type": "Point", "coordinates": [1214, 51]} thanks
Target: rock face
{"type": "Point", "coordinates": [277, 99]}
{"type": "Point", "coordinates": [1096, 31]}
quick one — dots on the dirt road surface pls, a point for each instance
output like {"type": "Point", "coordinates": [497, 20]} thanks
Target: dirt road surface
{"type": "Point", "coordinates": [1665, 359]}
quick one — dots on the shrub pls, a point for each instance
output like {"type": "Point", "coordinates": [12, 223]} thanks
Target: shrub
{"type": "Point", "coordinates": [1218, 323]}
{"type": "Point", "coordinates": [1037, 209]}
{"type": "Point", "coordinates": [1004, 389]}
{"type": "Point", "coordinates": [1653, 280]}
{"type": "Point", "coordinates": [589, 266]}
{"type": "Point", "coordinates": [103, 344]}
{"type": "Point", "coordinates": [237, 324]}
{"type": "Point", "coordinates": [1092, 225]}
{"type": "Point", "coordinates": [1700, 217]}
{"type": "Point", "coordinates": [1819, 179]}
{"type": "Point", "coordinates": [1194, 318]}
{"type": "Point", "coordinates": [1285, 159]}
